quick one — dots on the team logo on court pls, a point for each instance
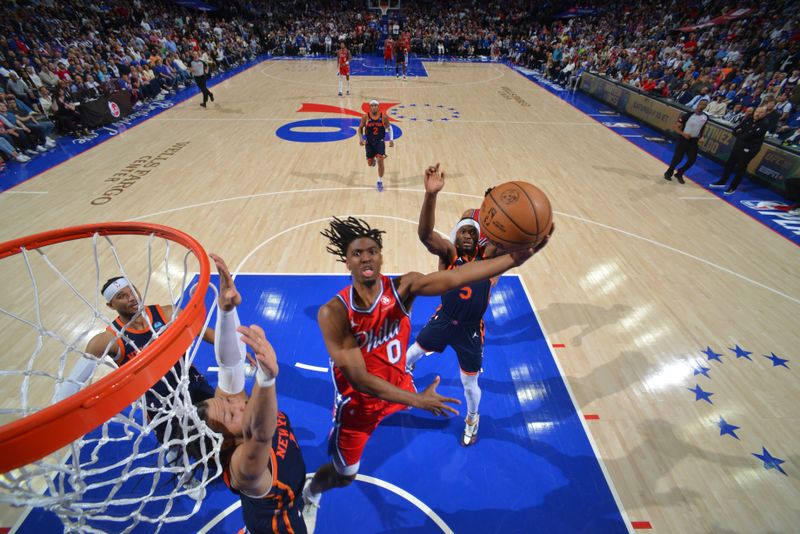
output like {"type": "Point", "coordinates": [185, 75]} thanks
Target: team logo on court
{"type": "Point", "coordinates": [509, 196]}
{"type": "Point", "coordinates": [113, 108]}
{"type": "Point", "coordinates": [329, 130]}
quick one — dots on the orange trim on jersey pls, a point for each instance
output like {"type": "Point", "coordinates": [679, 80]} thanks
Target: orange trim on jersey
{"type": "Point", "coordinates": [287, 489]}
{"type": "Point", "coordinates": [162, 314]}
{"type": "Point", "coordinates": [121, 354]}
{"type": "Point", "coordinates": [287, 522]}
{"type": "Point", "coordinates": [131, 330]}
{"type": "Point", "coordinates": [467, 372]}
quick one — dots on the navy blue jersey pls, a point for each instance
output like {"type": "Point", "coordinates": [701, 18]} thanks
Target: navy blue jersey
{"type": "Point", "coordinates": [374, 129]}
{"type": "Point", "coordinates": [280, 510]}
{"type": "Point", "coordinates": [467, 304]}
{"type": "Point", "coordinates": [135, 340]}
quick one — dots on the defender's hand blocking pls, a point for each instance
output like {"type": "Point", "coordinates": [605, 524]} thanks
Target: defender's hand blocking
{"type": "Point", "coordinates": [229, 296]}
{"type": "Point", "coordinates": [434, 179]}
{"type": "Point", "coordinates": [253, 336]}
{"type": "Point", "coordinates": [435, 403]}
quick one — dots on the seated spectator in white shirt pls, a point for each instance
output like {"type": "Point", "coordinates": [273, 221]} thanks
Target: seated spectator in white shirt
{"type": "Point", "coordinates": [717, 107]}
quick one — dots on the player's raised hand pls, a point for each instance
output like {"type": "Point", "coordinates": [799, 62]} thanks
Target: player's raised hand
{"type": "Point", "coordinates": [254, 337]}
{"type": "Point", "coordinates": [433, 402]}
{"type": "Point", "coordinates": [229, 296]}
{"type": "Point", "coordinates": [434, 179]}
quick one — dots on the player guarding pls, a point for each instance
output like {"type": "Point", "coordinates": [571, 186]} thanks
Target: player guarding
{"type": "Point", "coordinates": [388, 53]}
{"type": "Point", "coordinates": [366, 328]}
{"type": "Point", "coordinates": [372, 133]}
{"type": "Point", "coordinates": [344, 66]}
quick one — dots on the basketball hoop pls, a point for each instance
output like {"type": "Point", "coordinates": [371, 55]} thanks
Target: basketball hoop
{"type": "Point", "coordinates": [108, 415]}
{"type": "Point", "coordinates": [383, 5]}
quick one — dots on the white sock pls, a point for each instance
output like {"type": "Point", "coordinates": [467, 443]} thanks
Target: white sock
{"type": "Point", "coordinates": [472, 392]}
{"type": "Point", "coordinates": [308, 496]}
{"type": "Point", "coordinates": [340, 85]}
{"type": "Point", "coordinates": [414, 352]}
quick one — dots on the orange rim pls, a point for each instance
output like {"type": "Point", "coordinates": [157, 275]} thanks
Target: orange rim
{"type": "Point", "coordinates": [39, 434]}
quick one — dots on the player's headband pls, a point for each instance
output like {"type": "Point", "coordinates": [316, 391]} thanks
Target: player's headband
{"type": "Point", "coordinates": [374, 103]}
{"type": "Point", "coordinates": [115, 288]}
{"type": "Point", "coordinates": [466, 221]}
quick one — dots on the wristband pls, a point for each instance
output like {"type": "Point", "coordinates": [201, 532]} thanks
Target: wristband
{"type": "Point", "coordinates": [264, 380]}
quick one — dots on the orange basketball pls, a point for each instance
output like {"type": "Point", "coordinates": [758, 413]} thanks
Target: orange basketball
{"type": "Point", "coordinates": [516, 215]}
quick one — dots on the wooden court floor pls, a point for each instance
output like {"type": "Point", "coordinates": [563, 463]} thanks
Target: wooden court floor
{"type": "Point", "coordinates": [637, 281]}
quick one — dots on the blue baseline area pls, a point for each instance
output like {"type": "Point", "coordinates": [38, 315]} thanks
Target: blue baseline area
{"type": "Point", "coordinates": [533, 467]}
{"type": "Point", "coordinates": [751, 197]}
{"type": "Point", "coordinates": [369, 65]}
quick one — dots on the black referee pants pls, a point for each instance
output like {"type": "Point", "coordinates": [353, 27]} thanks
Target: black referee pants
{"type": "Point", "coordinates": [737, 164]}
{"type": "Point", "coordinates": [683, 147]}
{"type": "Point", "coordinates": [201, 83]}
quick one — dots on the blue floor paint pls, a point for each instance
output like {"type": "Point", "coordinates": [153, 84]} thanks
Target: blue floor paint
{"type": "Point", "coordinates": [532, 469]}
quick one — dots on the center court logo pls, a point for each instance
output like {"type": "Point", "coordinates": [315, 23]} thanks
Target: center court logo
{"type": "Point", "coordinates": [329, 130]}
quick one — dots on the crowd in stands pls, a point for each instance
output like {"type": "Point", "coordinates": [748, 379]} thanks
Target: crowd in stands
{"type": "Point", "coordinates": [56, 55]}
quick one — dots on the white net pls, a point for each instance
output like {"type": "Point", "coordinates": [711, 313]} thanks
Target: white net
{"type": "Point", "coordinates": [134, 469]}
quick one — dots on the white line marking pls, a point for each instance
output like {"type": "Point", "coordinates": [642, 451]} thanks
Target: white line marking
{"type": "Point", "coordinates": [400, 492]}
{"type": "Point", "coordinates": [311, 367]}
{"type": "Point", "coordinates": [220, 516]}
{"type": "Point", "coordinates": [479, 198]}
{"type": "Point", "coordinates": [610, 482]}
{"type": "Point", "coordinates": [401, 122]}
{"type": "Point", "coordinates": [315, 221]}
{"type": "Point", "coordinates": [391, 82]}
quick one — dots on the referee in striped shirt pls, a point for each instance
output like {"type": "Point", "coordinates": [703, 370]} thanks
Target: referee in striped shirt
{"type": "Point", "coordinates": [690, 126]}
{"type": "Point", "coordinates": [200, 72]}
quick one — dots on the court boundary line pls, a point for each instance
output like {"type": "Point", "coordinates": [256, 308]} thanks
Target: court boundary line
{"type": "Point", "coordinates": [406, 190]}
{"type": "Point", "coordinates": [697, 183]}
{"type": "Point", "coordinates": [501, 74]}
{"type": "Point", "coordinates": [578, 411]}
{"type": "Point", "coordinates": [397, 490]}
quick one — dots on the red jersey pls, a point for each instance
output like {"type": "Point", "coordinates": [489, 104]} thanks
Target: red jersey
{"type": "Point", "coordinates": [388, 47]}
{"type": "Point", "coordinates": [343, 57]}
{"type": "Point", "coordinates": [382, 333]}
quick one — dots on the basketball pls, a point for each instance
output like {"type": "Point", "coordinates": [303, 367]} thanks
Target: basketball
{"type": "Point", "coordinates": [516, 215]}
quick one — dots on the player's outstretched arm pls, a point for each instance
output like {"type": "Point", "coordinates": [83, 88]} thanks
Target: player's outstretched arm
{"type": "Point", "coordinates": [344, 352]}
{"type": "Point", "coordinates": [436, 244]}
{"type": "Point", "coordinates": [250, 469]}
{"type": "Point", "coordinates": [440, 282]}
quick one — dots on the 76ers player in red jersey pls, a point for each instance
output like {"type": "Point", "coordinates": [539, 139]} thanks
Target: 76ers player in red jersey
{"type": "Point", "coordinates": [388, 53]}
{"type": "Point", "coordinates": [366, 329]}
{"type": "Point", "coordinates": [343, 58]}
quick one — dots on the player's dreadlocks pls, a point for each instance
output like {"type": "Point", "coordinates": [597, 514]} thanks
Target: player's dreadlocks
{"type": "Point", "coordinates": [343, 232]}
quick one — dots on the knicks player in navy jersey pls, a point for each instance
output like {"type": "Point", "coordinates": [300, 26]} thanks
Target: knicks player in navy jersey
{"type": "Point", "coordinates": [366, 329]}
{"type": "Point", "coordinates": [372, 132]}
{"type": "Point", "coordinates": [262, 461]}
{"type": "Point", "coordinates": [458, 322]}
{"type": "Point", "coordinates": [125, 338]}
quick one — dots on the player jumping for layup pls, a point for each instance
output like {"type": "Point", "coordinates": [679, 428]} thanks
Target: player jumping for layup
{"type": "Point", "coordinates": [366, 327]}
{"type": "Point", "coordinates": [371, 132]}
{"type": "Point", "coordinates": [344, 66]}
